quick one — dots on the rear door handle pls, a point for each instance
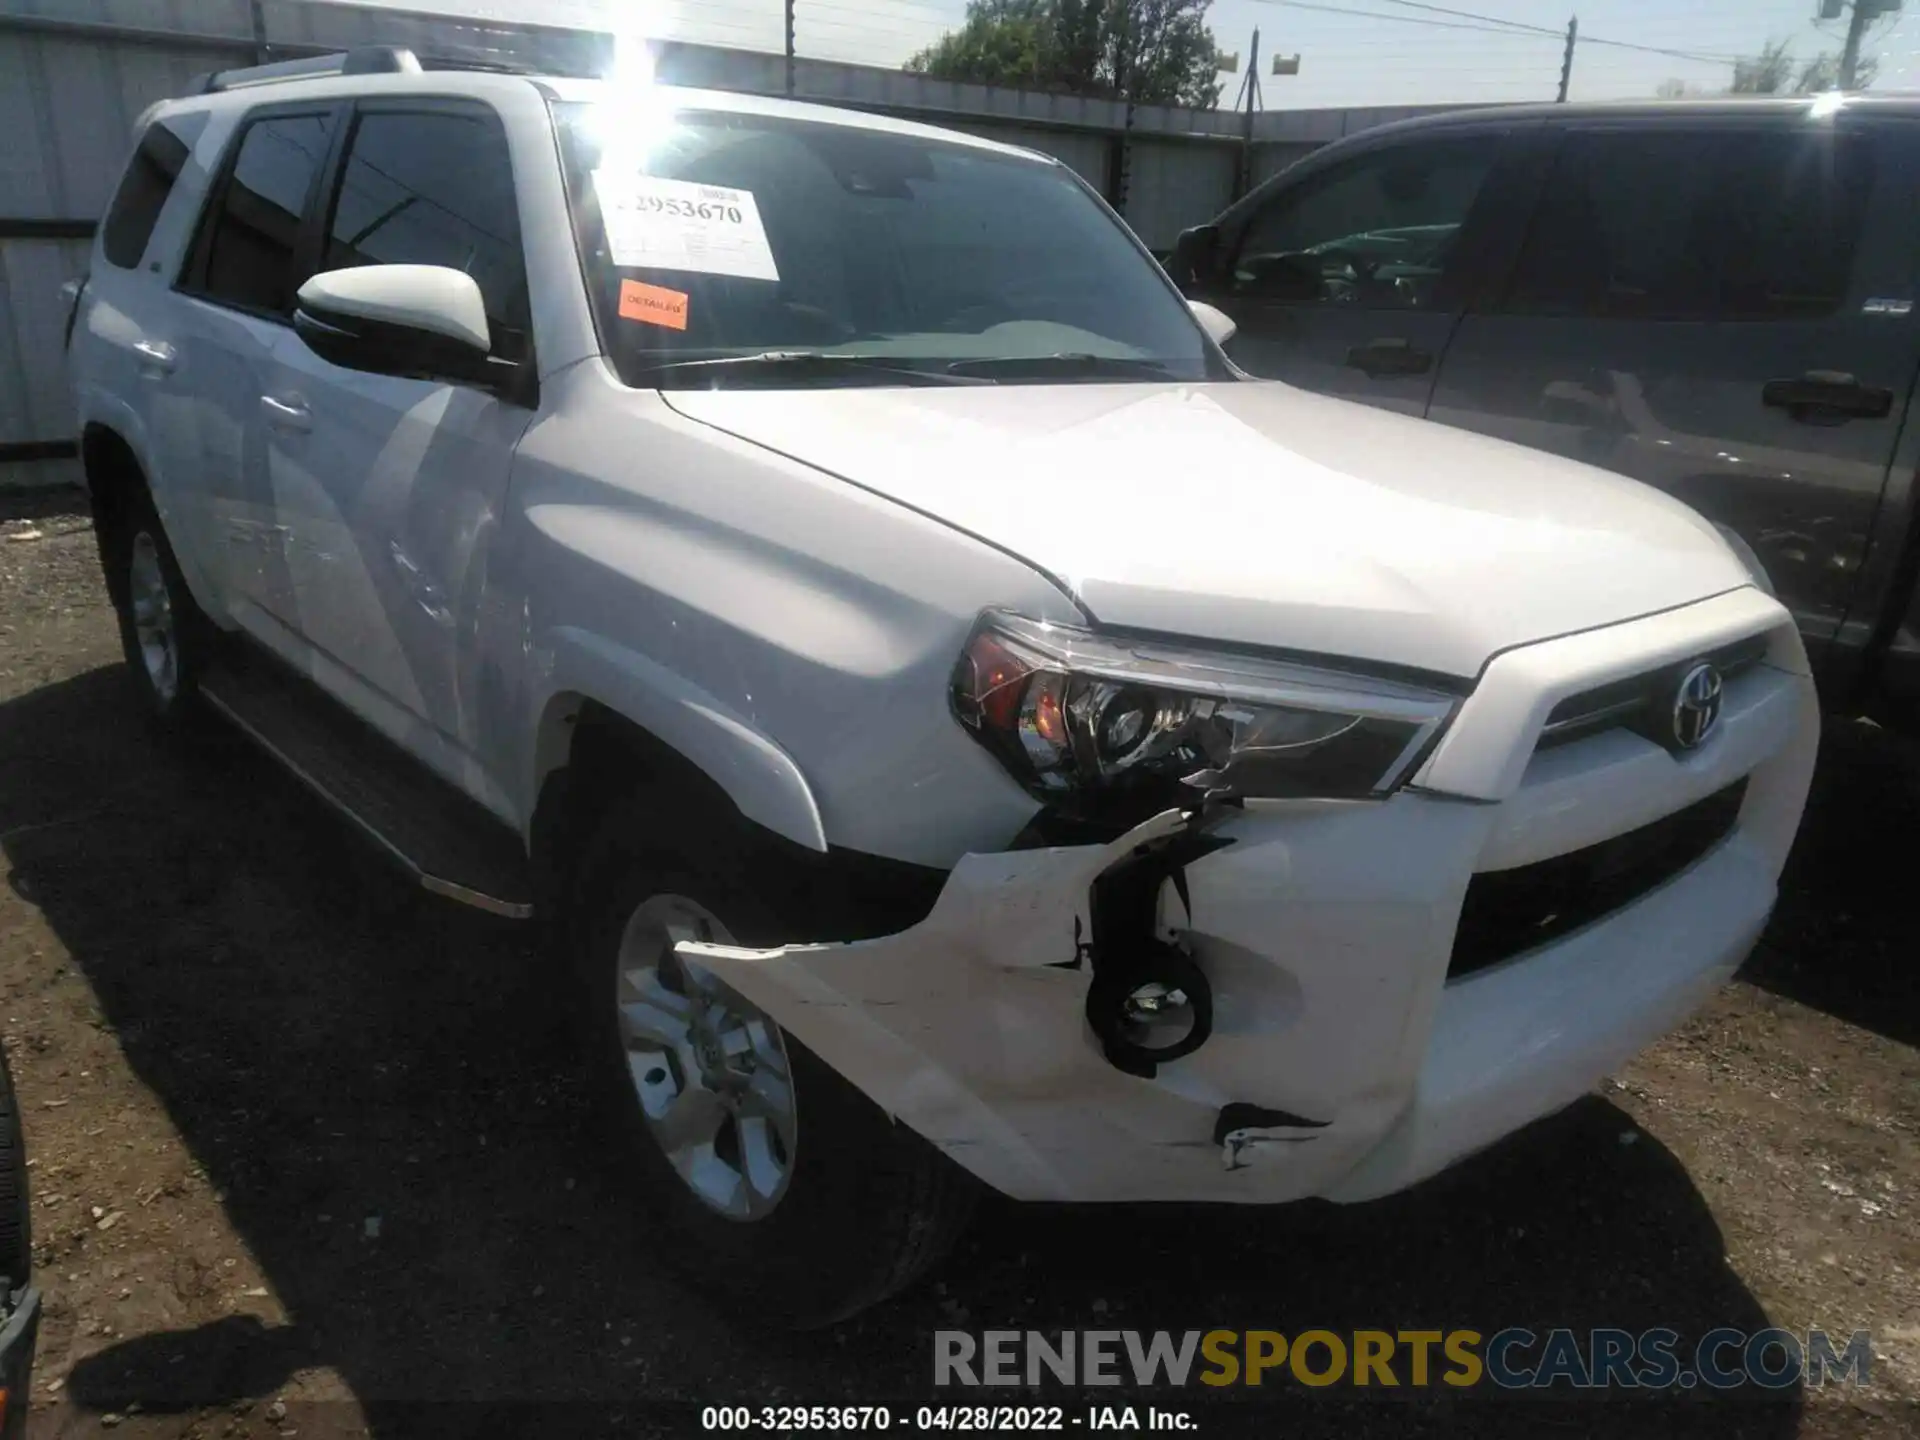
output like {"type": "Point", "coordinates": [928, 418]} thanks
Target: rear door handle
{"type": "Point", "coordinates": [291, 414]}
{"type": "Point", "coordinates": [156, 357]}
{"type": "Point", "coordinates": [1827, 397]}
{"type": "Point", "coordinates": [1381, 359]}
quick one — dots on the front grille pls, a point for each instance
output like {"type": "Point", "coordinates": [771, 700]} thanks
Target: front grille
{"type": "Point", "coordinates": [1639, 700]}
{"type": "Point", "coordinates": [1509, 911]}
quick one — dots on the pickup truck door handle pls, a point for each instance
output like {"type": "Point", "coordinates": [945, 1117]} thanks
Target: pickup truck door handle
{"type": "Point", "coordinates": [1827, 397]}
{"type": "Point", "coordinates": [289, 414]}
{"type": "Point", "coordinates": [156, 357]}
{"type": "Point", "coordinates": [1380, 359]}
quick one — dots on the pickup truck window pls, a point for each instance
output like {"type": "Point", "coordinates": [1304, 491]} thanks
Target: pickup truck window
{"type": "Point", "coordinates": [251, 254]}
{"type": "Point", "coordinates": [1683, 225]}
{"type": "Point", "coordinates": [435, 188]}
{"type": "Point", "coordinates": [156, 165]}
{"type": "Point", "coordinates": [913, 253]}
{"type": "Point", "coordinates": [1377, 233]}
{"type": "Point", "coordinates": [1793, 224]}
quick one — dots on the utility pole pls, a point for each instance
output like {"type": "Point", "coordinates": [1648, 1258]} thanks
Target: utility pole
{"type": "Point", "coordinates": [1248, 101]}
{"type": "Point", "coordinates": [1249, 98]}
{"type": "Point", "coordinates": [1566, 60]}
{"type": "Point", "coordinates": [790, 4]}
{"type": "Point", "coordinates": [1865, 12]}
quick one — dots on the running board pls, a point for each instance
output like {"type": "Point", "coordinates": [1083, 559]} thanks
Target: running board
{"type": "Point", "coordinates": [451, 845]}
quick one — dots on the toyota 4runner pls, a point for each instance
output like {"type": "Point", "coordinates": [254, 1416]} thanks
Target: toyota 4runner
{"type": "Point", "coordinates": [958, 727]}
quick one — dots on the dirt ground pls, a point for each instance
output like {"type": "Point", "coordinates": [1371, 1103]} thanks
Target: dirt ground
{"type": "Point", "coordinates": [308, 1156]}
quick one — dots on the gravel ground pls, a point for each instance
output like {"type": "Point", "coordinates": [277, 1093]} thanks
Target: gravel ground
{"type": "Point", "coordinates": [308, 1157]}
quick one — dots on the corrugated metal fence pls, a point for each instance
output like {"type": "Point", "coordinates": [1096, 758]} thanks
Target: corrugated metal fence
{"type": "Point", "coordinates": [76, 74]}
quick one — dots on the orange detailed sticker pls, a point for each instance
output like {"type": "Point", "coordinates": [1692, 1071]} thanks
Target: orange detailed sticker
{"type": "Point", "coordinates": [653, 305]}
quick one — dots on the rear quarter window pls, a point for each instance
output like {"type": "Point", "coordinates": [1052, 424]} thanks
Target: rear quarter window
{"type": "Point", "coordinates": [150, 176]}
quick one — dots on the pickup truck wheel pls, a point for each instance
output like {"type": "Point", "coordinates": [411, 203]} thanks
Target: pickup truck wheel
{"type": "Point", "coordinates": [769, 1177]}
{"type": "Point", "coordinates": [160, 625]}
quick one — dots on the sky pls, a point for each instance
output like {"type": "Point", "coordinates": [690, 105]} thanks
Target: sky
{"type": "Point", "coordinates": [1352, 52]}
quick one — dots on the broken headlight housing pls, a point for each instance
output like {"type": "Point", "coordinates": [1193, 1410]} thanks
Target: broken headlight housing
{"type": "Point", "coordinates": [1098, 727]}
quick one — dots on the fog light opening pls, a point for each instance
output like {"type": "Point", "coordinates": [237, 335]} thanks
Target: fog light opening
{"type": "Point", "coordinates": [1149, 1006]}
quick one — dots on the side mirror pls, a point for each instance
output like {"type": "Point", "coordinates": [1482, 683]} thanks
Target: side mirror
{"type": "Point", "coordinates": [417, 320]}
{"type": "Point", "coordinates": [1219, 326]}
{"type": "Point", "coordinates": [1196, 256]}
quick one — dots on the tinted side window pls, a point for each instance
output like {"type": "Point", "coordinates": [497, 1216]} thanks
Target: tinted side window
{"type": "Point", "coordinates": [1733, 226]}
{"type": "Point", "coordinates": [157, 162]}
{"type": "Point", "coordinates": [435, 189]}
{"type": "Point", "coordinates": [252, 253]}
{"type": "Point", "coordinates": [1626, 227]}
{"type": "Point", "coordinates": [1378, 233]}
{"type": "Point", "coordinates": [1794, 206]}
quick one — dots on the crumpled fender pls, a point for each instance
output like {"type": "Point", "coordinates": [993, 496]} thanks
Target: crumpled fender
{"type": "Point", "coordinates": [984, 996]}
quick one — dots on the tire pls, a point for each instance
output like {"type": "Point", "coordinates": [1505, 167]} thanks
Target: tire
{"type": "Point", "coordinates": [865, 1206]}
{"type": "Point", "coordinates": [163, 632]}
{"type": "Point", "coordinates": [16, 1247]}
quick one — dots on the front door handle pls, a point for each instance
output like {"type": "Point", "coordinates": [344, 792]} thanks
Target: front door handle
{"type": "Point", "coordinates": [290, 414]}
{"type": "Point", "coordinates": [1827, 397]}
{"type": "Point", "coordinates": [157, 358]}
{"type": "Point", "coordinates": [1384, 359]}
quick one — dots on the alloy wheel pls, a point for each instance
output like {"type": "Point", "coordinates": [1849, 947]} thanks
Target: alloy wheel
{"type": "Point", "coordinates": [709, 1069]}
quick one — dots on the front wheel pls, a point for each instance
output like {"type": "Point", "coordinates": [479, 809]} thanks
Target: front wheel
{"type": "Point", "coordinates": [768, 1176]}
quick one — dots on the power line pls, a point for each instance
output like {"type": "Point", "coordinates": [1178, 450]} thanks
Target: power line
{"type": "Point", "coordinates": [814, 7]}
{"type": "Point", "coordinates": [1511, 27]}
{"type": "Point", "coordinates": [1657, 50]}
{"type": "Point", "coordinates": [1408, 19]}
{"type": "Point", "coordinates": [1472, 15]}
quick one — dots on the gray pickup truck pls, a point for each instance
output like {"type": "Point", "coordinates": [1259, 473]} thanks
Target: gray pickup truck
{"type": "Point", "coordinates": [1714, 297]}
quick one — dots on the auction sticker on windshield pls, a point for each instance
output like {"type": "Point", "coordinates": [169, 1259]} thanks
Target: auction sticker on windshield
{"type": "Point", "coordinates": [653, 305]}
{"type": "Point", "coordinates": [659, 224]}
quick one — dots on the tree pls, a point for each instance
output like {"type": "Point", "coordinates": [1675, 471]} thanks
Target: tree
{"type": "Point", "coordinates": [1775, 72]}
{"type": "Point", "coordinates": [1770, 72]}
{"type": "Point", "coordinates": [1766, 73]}
{"type": "Point", "coordinates": [1147, 51]}
{"type": "Point", "coordinates": [1003, 42]}
{"type": "Point", "coordinates": [1823, 73]}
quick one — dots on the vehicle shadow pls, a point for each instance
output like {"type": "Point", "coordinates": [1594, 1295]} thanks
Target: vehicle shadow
{"type": "Point", "coordinates": [1842, 937]}
{"type": "Point", "coordinates": [331, 1052]}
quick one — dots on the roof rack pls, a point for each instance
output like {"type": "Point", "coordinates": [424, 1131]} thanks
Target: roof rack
{"type": "Point", "coordinates": [365, 60]}
{"type": "Point", "coordinates": [488, 64]}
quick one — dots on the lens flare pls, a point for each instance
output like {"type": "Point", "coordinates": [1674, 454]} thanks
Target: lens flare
{"type": "Point", "coordinates": [636, 112]}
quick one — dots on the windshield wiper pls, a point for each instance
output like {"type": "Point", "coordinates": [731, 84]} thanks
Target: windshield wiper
{"type": "Point", "coordinates": [810, 362]}
{"type": "Point", "coordinates": [1064, 364]}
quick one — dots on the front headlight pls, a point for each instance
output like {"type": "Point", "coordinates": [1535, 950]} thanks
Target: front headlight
{"type": "Point", "coordinates": [1097, 726]}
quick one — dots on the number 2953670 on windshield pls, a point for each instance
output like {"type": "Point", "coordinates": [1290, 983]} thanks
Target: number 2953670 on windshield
{"type": "Point", "coordinates": [691, 209]}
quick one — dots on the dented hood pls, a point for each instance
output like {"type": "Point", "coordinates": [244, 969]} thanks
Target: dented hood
{"type": "Point", "coordinates": [1259, 514]}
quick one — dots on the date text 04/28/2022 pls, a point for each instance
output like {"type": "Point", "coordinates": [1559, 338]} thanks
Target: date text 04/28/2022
{"type": "Point", "coordinates": [981, 1419]}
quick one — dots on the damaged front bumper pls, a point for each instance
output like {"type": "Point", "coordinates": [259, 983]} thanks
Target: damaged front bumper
{"type": "Point", "coordinates": [1342, 1060]}
{"type": "Point", "coordinates": [1340, 1063]}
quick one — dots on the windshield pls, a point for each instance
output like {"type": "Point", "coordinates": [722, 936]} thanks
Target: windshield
{"type": "Point", "coordinates": [763, 244]}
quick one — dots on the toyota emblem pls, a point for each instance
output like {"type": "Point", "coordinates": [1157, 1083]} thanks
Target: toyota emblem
{"type": "Point", "coordinates": [1696, 706]}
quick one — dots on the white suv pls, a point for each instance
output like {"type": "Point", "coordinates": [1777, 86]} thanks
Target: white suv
{"type": "Point", "coordinates": [961, 728]}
